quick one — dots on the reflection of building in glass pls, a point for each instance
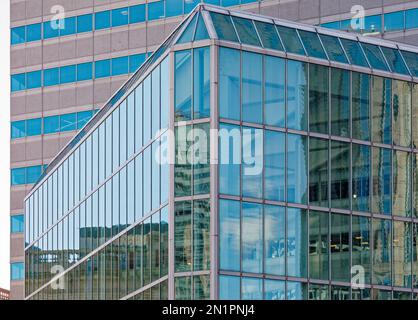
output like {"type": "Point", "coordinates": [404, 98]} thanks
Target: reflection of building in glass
{"type": "Point", "coordinates": [337, 189]}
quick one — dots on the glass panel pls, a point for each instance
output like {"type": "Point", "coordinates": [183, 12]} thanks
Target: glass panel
{"type": "Point", "coordinates": [375, 56]}
{"type": "Point", "coordinates": [274, 91]}
{"type": "Point", "coordinates": [182, 168]}
{"type": "Point", "coordinates": [201, 287]}
{"type": "Point", "coordinates": [84, 71]}
{"type": "Point", "coordinates": [318, 292]}
{"type": "Point", "coordinates": [312, 44]}
{"type": "Point", "coordinates": [382, 239]}
{"type": "Point", "coordinates": [252, 289]}
{"type": "Point", "coordinates": [411, 59]}
{"type": "Point", "coordinates": [360, 84]}
{"type": "Point", "coordinates": [252, 237]}
{"type": "Point", "coordinates": [84, 23]}
{"type": "Point", "coordinates": [291, 40]}
{"type": "Point", "coordinates": [373, 24]}
{"type": "Point", "coordinates": [411, 18]}
{"type": "Point", "coordinates": [173, 8]}
{"type": "Point", "coordinates": [155, 10]}
{"type": "Point", "coordinates": [297, 97]}
{"type": "Point", "coordinates": [382, 180]}
{"type": "Point", "coordinates": [361, 249]}
{"type": "Point", "coordinates": [402, 99]}
{"type": "Point", "coordinates": [201, 239]}
{"type": "Point", "coordinates": [201, 160]}
{"type": "Point", "coordinates": [402, 267]}
{"type": "Point", "coordinates": [333, 47]}
{"type": "Point", "coordinates": [274, 290]}
{"type": "Point", "coordinates": [382, 113]}
{"type": "Point", "coordinates": [394, 21]}
{"type": "Point", "coordinates": [51, 77]}
{"type": "Point", "coordinates": [137, 13]}
{"type": "Point", "coordinates": [229, 83]}
{"type": "Point", "coordinates": [229, 159]}
{"type": "Point", "coordinates": [252, 91]}
{"type": "Point", "coordinates": [182, 236]}
{"type": "Point", "coordinates": [340, 247]}
{"type": "Point", "coordinates": [296, 291]}
{"type": "Point", "coordinates": [274, 240]}
{"type": "Point", "coordinates": [33, 127]}
{"type": "Point", "coordinates": [318, 245]}
{"type": "Point", "coordinates": [395, 61]}
{"type": "Point", "coordinates": [201, 82]}
{"type": "Point", "coordinates": [183, 87]}
{"type": "Point", "coordinates": [297, 243]}
{"type": "Point", "coordinates": [229, 288]}
{"type": "Point", "coordinates": [119, 17]}
{"type": "Point", "coordinates": [18, 129]}
{"type": "Point", "coordinates": [229, 235]}
{"type": "Point", "coordinates": [223, 27]}
{"type": "Point", "coordinates": [102, 20]}
{"type": "Point", "coordinates": [354, 52]}
{"type": "Point", "coordinates": [120, 66]}
{"type": "Point", "coordinates": [318, 172]}
{"type": "Point", "coordinates": [401, 184]}
{"type": "Point", "coordinates": [318, 98]}
{"type": "Point", "coordinates": [18, 35]}
{"type": "Point", "coordinates": [274, 165]}
{"type": "Point", "coordinates": [361, 177]}
{"type": "Point", "coordinates": [17, 223]}
{"type": "Point", "coordinates": [297, 168]}
{"type": "Point", "coordinates": [188, 33]}
{"type": "Point", "coordinates": [246, 31]}
{"type": "Point", "coordinates": [102, 68]}
{"type": "Point", "coordinates": [268, 35]}
{"type": "Point", "coordinates": [340, 102]}
{"type": "Point", "coordinates": [340, 175]}
{"type": "Point", "coordinates": [201, 32]}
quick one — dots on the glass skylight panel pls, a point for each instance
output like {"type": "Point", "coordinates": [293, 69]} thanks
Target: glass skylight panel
{"type": "Point", "coordinates": [223, 27]}
{"type": "Point", "coordinates": [268, 35]}
{"type": "Point", "coordinates": [187, 35]}
{"type": "Point", "coordinates": [246, 31]}
{"type": "Point", "coordinates": [354, 52]}
{"type": "Point", "coordinates": [291, 40]}
{"type": "Point", "coordinates": [333, 47]}
{"type": "Point", "coordinates": [394, 58]}
{"type": "Point", "coordinates": [201, 31]}
{"type": "Point", "coordinates": [312, 44]}
{"type": "Point", "coordinates": [375, 56]}
{"type": "Point", "coordinates": [411, 59]}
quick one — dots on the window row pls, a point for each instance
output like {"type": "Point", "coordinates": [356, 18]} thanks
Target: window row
{"type": "Point", "coordinates": [313, 44]}
{"type": "Point", "coordinates": [26, 175]}
{"type": "Point", "coordinates": [247, 288]}
{"type": "Point", "coordinates": [392, 21]}
{"type": "Point", "coordinates": [267, 239]}
{"type": "Point", "coordinates": [124, 132]}
{"type": "Point", "coordinates": [77, 72]}
{"type": "Point", "coordinates": [134, 191]}
{"type": "Point", "coordinates": [191, 235]}
{"type": "Point", "coordinates": [286, 93]}
{"type": "Point", "coordinates": [110, 18]}
{"type": "Point", "coordinates": [272, 165]}
{"type": "Point", "coordinates": [135, 259]}
{"type": "Point", "coordinates": [50, 124]}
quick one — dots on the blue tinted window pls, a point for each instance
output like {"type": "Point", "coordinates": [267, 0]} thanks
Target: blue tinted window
{"type": "Point", "coordinates": [375, 56]}
{"type": "Point", "coordinates": [183, 93]}
{"type": "Point", "coordinates": [34, 127]}
{"type": "Point", "coordinates": [354, 52]}
{"type": "Point", "coordinates": [135, 61]}
{"type": "Point", "coordinates": [85, 23]}
{"type": "Point", "coordinates": [394, 21]}
{"type": "Point", "coordinates": [187, 34]}
{"type": "Point", "coordinates": [51, 77]}
{"type": "Point", "coordinates": [229, 244]}
{"type": "Point", "coordinates": [268, 35]}
{"type": "Point", "coordinates": [229, 83]}
{"type": "Point", "coordinates": [201, 90]}
{"type": "Point", "coordinates": [274, 165]}
{"type": "Point", "coordinates": [189, 5]}
{"type": "Point", "coordinates": [137, 13]}
{"type": "Point", "coordinates": [51, 124]}
{"type": "Point", "coordinates": [33, 32]}
{"type": "Point", "coordinates": [332, 25]}
{"type": "Point", "coordinates": [18, 35]}
{"type": "Point", "coordinates": [102, 20]}
{"type": "Point", "coordinates": [33, 79]}
{"type": "Point", "coordinates": [296, 169]}
{"type": "Point", "coordinates": [373, 23]}
{"type": "Point", "coordinates": [333, 47]}
{"type": "Point", "coordinates": [68, 122]}
{"type": "Point", "coordinates": [68, 74]}
{"type": "Point", "coordinates": [33, 174]}
{"type": "Point", "coordinates": [411, 59]}
{"type": "Point", "coordinates": [18, 176]}
{"type": "Point", "coordinates": [411, 18]}
{"type": "Point", "coordinates": [83, 117]}
{"type": "Point", "coordinates": [274, 84]}
{"type": "Point", "coordinates": [246, 31]}
{"type": "Point", "coordinates": [291, 40]}
{"type": "Point", "coordinates": [173, 8]}
{"type": "Point", "coordinates": [252, 289]}
{"type": "Point", "coordinates": [229, 288]}
{"type": "Point", "coordinates": [395, 61]}
{"type": "Point", "coordinates": [120, 17]}
{"type": "Point", "coordinates": [17, 271]}
{"type": "Point", "coordinates": [102, 68]}
{"type": "Point", "coordinates": [18, 82]}
{"type": "Point", "coordinates": [312, 44]}
{"type": "Point", "coordinates": [230, 159]}
{"type": "Point", "coordinates": [252, 91]}
{"type": "Point", "coordinates": [297, 97]}
{"type": "Point", "coordinates": [70, 26]}
{"type": "Point", "coordinates": [227, 3]}
{"type": "Point", "coordinates": [17, 223]}
{"type": "Point", "coordinates": [252, 235]}
{"type": "Point", "coordinates": [84, 71]}
{"type": "Point", "coordinates": [201, 31]}
{"type": "Point", "coordinates": [51, 29]}
{"type": "Point", "coordinates": [156, 10]}
{"type": "Point", "coordinates": [120, 66]}
{"type": "Point", "coordinates": [18, 129]}
{"type": "Point", "coordinates": [223, 27]}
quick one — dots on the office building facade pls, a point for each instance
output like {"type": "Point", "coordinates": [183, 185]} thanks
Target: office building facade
{"type": "Point", "coordinates": [247, 158]}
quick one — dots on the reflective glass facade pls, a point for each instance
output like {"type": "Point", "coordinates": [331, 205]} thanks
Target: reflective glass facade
{"type": "Point", "coordinates": [309, 180]}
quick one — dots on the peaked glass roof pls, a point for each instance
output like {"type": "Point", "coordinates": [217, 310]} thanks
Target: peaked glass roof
{"type": "Point", "coordinates": [207, 21]}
